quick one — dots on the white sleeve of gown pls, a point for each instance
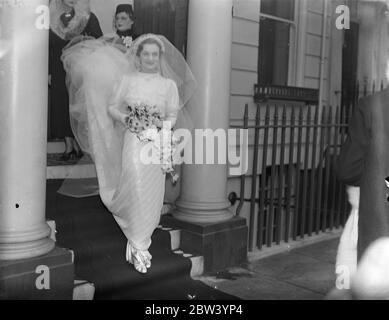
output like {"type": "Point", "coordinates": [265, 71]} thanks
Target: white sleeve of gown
{"type": "Point", "coordinates": [173, 106]}
{"type": "Point", "coordinates": [117, 101]}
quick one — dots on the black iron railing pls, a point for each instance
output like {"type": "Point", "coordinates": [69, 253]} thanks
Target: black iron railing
{"type": "Point", "coordinates": [294, 192]}
{"type": "Point", "coordinates": [350, 96]}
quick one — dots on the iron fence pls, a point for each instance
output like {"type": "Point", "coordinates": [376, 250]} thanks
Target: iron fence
{"type": "Point", "coordinates": [294, 192]}
{"type": "Point", "coordinates": [350, 97]}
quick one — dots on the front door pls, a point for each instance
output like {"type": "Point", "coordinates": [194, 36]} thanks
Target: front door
{"type": "Point", "coordinates": [166, 17]}
{"type": "Point", "coordinates": [349, 68]}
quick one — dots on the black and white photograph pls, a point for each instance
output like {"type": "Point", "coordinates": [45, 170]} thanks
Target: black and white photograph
{"type": "Point", "coordinates": [200, 153]}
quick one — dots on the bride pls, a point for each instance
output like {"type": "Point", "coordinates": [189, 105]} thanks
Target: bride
{"type": "Point", "coordinates": [103, 81]}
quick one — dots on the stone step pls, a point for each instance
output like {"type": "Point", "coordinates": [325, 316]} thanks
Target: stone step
{"type": "Point", "coordinates": [102, 252]}
{"type": "Point", "coordinates": [83, 290]}
{"type": "Point", "coordinates": [71, 171]}
{"type": "Point", "coordinates": [175, 239]}
{"type": "Point", "coordinates": [197, 268]}
{"type": "Point", "coordinates": [78, 168]}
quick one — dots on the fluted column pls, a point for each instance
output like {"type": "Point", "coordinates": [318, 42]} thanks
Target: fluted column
{"type": "Point", "coordinates": [203, 195]}
{"type": "Point", "coordinates": [24, 232]}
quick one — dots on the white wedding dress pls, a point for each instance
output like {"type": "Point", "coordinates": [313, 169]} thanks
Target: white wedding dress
{"type": "Point", "coordinates": [101, 84]}
{"type": "Point", "coordinates": [138, 197]}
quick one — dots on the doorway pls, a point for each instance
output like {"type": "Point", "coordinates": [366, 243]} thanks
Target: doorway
{"type": "Point", "coordinates": [349, 69]}
{"type": "Point", "coordinates": [166, 17]}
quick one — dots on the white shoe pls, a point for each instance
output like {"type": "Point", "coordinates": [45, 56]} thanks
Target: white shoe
{"type": "Point", "coordinates": [128, 251]}
{"type": "Point", "coordinates": [146, 257]}
{"type": "Point", "coordinates": [136, 258]}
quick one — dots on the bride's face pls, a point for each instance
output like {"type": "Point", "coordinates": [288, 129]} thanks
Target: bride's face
{"type": "Point", "coordinates": [149, 58]}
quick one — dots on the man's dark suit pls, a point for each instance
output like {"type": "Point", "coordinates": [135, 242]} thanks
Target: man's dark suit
{"type": "Point", "coordinates": [364, 162]}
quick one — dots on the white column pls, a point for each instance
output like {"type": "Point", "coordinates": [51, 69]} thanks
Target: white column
{"type": "Point", "coordinates": [23, 132]}
{"type": "Point", "coordinates": [370, 23]}
{"type": "Point", "coordinates": [204, 187]}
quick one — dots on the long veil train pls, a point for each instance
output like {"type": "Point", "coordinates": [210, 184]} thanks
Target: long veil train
{"type": "Point", "coordinates": [94, 69]}
{"type": "Point", "coordinates": [102, 81]}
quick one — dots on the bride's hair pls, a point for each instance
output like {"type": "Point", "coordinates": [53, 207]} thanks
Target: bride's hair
{"type": "Point", "coordinates": [148, 41]}
{"type": "Point", "coordinates": [149, 38]}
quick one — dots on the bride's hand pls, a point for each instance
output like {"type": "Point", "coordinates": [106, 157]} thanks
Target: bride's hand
{"type": "Point", "coordinates": [125, 120]}
{"type": "Point", "coordinates": [158, 123]}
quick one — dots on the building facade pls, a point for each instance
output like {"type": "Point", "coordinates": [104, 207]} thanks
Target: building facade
{"type": "Point", "coordinates": [230, 46]}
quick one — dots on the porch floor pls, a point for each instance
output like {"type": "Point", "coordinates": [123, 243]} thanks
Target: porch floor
{"type": "Point", "coordinates": [306, 273]}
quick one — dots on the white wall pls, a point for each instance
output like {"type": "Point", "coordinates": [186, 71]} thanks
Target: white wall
{"type": "Point", "coordinates": [245, 53]}
{"type": "Point", "coordinates": [335, 58]}
{"type": "Point", "coordinates": [314, 35]}
{"type": "Point", "coordinates": [244, 69]}
{"type": "Point", "coordinates": [104, 10]}
{"type": "Point", "coordinates": [244, 56]}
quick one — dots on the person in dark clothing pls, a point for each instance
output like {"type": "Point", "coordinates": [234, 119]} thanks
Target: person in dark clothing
{"type": "Point", "coordinates": [123, 25]}
{"type": "Point", "coordinates": [124, 21]}
{"type": "Point", "coordinates": [68, 19]}
{"type": "Point", "coordinates": [364, 162]}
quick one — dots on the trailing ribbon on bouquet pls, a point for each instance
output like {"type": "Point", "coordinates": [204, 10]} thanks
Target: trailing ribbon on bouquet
{"type": "Point", "coordinates": [146, 122]}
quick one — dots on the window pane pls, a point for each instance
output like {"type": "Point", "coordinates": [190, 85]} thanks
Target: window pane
{"type": "Point", "coordinates": [279, 8]}
{"type": "Point", "coordinates": [273, 52]}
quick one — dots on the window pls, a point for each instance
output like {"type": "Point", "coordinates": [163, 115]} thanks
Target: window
{"type": "Point", "coordinates": [276, 39]}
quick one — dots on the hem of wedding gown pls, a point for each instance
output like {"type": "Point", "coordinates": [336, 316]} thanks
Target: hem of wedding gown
{"type": "Point", "coordinates": [140, 259]}
{"type": "Point", "coordinates": [138, 248]}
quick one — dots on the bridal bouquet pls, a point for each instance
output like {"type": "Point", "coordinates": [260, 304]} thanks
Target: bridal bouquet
{"type": "Point", "coordinates": [146, 122]}
{"type": "Point", "coordinates": [142, 117]}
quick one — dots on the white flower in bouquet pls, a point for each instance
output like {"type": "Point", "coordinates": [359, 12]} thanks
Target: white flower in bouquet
{"type": "Point", "coordinates": [146, 122]}
{"type": "Point", "coordinates": [142, 117]}
{"type": "Point", "coordinates": [127, 41]}
{"type": "Point", "coordinates": [150, 134]}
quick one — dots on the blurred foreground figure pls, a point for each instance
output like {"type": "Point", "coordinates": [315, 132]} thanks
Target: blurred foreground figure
{"type": "Point", "coordinates": [4, 47]}
{"type": "Point", "coordinates": [346, 258]}
{"type": "Point", "coordinates": [371, 279]}
{"type": "Point", "coordinates": [364, 162]}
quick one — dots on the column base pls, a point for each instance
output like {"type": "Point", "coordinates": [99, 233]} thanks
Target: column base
{"type": "Point", "coordinates": [222, 244]}
{"type": "Point", "coordinates": [197, 212]}
{"type": "Point", "coordinates": [17, 251]}
{"type": "Point", "coordinates": [47, 277]}
{"type": "Point", "coordinates": [27, 244]}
